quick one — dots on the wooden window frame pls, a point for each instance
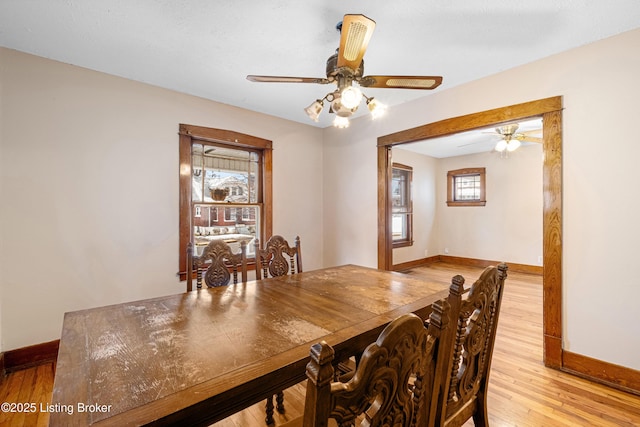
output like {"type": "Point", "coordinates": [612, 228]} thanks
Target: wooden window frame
{"type": "Point", "coordinates": [189, 135]}
{"type": "Point", "coordinates": [451, 188]}
{"type": "Point", "coordinates": [408, 241]}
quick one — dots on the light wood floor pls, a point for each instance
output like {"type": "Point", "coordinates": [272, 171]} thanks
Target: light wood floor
{"type": "Point", "coordinates": [522, 392]}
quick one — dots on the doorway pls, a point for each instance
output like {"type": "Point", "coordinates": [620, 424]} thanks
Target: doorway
{"type": "Point", "coordinates": [550, 110]}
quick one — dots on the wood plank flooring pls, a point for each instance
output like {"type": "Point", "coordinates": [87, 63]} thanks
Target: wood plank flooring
{"type": "Point", "coordinates": [522, 391]}
{"type": "Point", "coordinates": [31, 386]}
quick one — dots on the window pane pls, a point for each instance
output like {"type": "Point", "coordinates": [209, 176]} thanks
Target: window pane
{"type": "Point", "coordinates": [232, 224]}
{"type": "Point", "coordinates": [254, 176]}
{"type": "Point", "coordinates": [224, 174]}
{"type": "Point", "coordinates": [399, 190]}
{"type": "Point", "coordinates": [401, 205]}
{"type": "Point", "coordinates": [399, 226]}
{"type": "Point", "coordinates": [467, 187]}
{"type": "Point", "coordinates": [196, 176]}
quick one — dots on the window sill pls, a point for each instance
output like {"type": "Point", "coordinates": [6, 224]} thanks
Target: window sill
{"type": "Point", "coordinates": [467, 203]}
{"type": "Point", "coordinates": [402, 243]}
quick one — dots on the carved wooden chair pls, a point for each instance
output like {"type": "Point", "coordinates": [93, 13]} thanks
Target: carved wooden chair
{"type": "Point", "coordinates": [466, 375]}
{"type": "Point", "coordinates": [215, 261]}
{"type": "Point", "coordinates": [277, 258]}
{"type": "Point", "coordinates": [394, 383]}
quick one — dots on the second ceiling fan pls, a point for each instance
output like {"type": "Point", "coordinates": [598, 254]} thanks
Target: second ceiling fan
{"type": "Point", "coordinates": [346, 67]}
{"type": "Point", "coordinates": [511, 139]}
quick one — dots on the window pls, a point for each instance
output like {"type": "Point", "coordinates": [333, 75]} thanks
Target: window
{"type": "Point", "coordinates": [231, 214]}
{"type": "Point", "coordinates": [466, 187]}
{"type": "Point", "coordinates": [248, 214]}
{"type": "Point", "coordinates": [401, 205]}
{"type": "Point", "coordinates": [225, 189]}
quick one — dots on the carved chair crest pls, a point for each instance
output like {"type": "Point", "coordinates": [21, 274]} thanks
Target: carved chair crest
{"type": "Point", "coordinates": [278, 258]}
{"type": "Point", "coordinates": [393, 384]}
{"type": "Point", "coordinates": [220, 258]}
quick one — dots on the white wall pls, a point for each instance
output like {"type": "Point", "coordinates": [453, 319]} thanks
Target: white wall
{"type": "Point", "coordinates": [425, 228]}
{"type": "Point", "coordinates": [600, 89]}
{"type": "Point", "coordinates": [509, 227]}
{"type": "Point", "coordinates": [84, 222]}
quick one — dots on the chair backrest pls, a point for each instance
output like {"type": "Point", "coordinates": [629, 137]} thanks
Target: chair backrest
{"type": "Point", "coordinates": [466, 375]}
{"type": "Point", "coordinates": [394, 381]}
{"type": "Point", "coordinates": [216, 260]}
{"type": "Point", "coordinates": [277, 258]}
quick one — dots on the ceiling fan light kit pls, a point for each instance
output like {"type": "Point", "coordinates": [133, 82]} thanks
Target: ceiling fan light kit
{"type": "Point", "coordinates": [346, 67]}
{"type": "Point", "coordinates": [376, 108]}
{"type": "Point", "coordinates": [501, 146]}
{"type": "Point", "coordinates": [513, 145]}
{"type": "Point", "coordinates": [508, 143]}
{"type": "Point", "coordinates": [314, 110]}
{"type": "Point", "coordinates": [350, 97]}
{"type": "Point", "coordinates": [341, 122]}
{"type": "Point", "coordinates": [511, 140]}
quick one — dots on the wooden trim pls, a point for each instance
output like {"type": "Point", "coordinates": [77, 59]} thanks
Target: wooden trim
{"type": "Point", "coordinates": [184, 184]}
{"type": "Point", "coordinates": [385, 239]}
{"type": "Point", "coordinates": [416, 263]}
{"type": "Point", "coordinates": [267, 199]}
{"type": "Point", "coordinates": [224, 136]}
{"type": "Point", "coordinates": [616, 376]}
{"type": "Point", "coordinates": [471, 262]}
{"type": "Point", "coordinates": [550, 109]}
{"type": "Point", "coordinates": [552, 234]}
{"type": "Point", "coordinates": [473, 121]}
{"type": "Point", "coordinates": [396, 165]}
{"type": "Point", "coordinates": [27, 357]}
{"type": "Point", "coordinates": [483, 263]}
{"type": "Point", "coordinates": [452, 203]}
{"type": "Point", "coordinates": [552, 350]}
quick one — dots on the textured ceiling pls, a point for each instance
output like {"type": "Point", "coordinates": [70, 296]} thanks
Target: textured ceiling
{"type": "Point", "coordinates": [206, 48]}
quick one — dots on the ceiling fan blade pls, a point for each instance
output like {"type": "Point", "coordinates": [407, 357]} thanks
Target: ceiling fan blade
{"type": "Point", "coordinates": [530, 132]}
{"type": "Point", "coordinates": [402, 82]}
{"type": "Point", "coordinates": [521, 137]}
{"type": "Point", "coordinates": [284, 79]}
{"type": "Point", "coordinates": [355, 35]}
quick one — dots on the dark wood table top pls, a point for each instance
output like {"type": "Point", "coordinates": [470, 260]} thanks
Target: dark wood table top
{"type": "Point", "coordinates": [200, 356]}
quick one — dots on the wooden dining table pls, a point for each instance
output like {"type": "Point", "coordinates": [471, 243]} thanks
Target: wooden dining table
{"type": "Point", "coordinates": [197, 357]}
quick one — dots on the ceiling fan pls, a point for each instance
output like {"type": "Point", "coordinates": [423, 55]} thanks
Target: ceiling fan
{"type": "Point", "coordinates": [511, 140]}
{"type": "Point", "coordinates": [344, 68]}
